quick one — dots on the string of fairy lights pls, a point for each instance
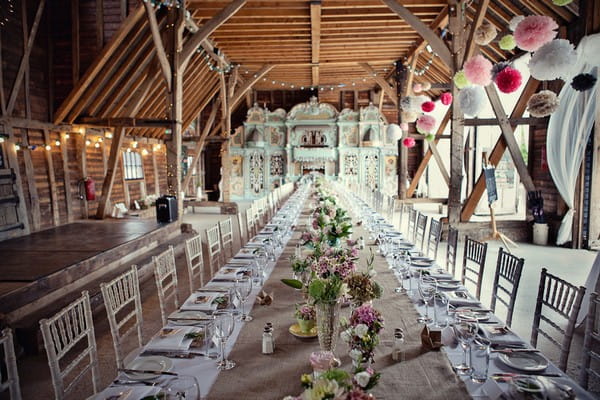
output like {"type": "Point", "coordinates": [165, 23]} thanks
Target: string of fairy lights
{"type": "Point", "coordinates": [6, 11]}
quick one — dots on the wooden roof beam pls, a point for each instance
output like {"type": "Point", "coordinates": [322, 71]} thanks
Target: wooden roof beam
{"type": "Point", "coordinates": [248, 85]}
{"type": "Point", "coordinates": [385, 86]}
{"type": "Point", "coordinates": [315, 38]}
{"type": "Point", "coordinates": [477, 20]}
{"type": "Point", "coordinates": [158, 44]}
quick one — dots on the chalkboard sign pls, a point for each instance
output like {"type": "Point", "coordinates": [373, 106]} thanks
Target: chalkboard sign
{"type": "Point", "coordinates": [490, 184]}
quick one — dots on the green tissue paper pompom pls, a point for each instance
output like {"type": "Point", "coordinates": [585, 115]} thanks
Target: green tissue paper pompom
{"type": "Point", "coordinates": [507, 42]}
{"type": "Point", "coordinates": [562, 2]}
{"type": "Point", "coordinates": [460, 80]}
{"type": "Point", "coordinates": [429, 137]}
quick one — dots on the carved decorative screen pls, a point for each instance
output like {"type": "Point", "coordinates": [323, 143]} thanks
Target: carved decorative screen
{"type": "Point", "coordinates": [351, 164]}
{"type": "Point", "coordinates": [276, 165]}
{"type": "Point", "coordinates": [372, 171]}
{"type": "Point", "coordinates": [257, 175]}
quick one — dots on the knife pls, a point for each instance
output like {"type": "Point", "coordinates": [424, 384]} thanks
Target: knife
{"type": "Point", "coordinates": [146, 371]}
{"type": "Point", "coordinates": [171, 354]}
{"type": "Point", "coordinates": [515, 351]}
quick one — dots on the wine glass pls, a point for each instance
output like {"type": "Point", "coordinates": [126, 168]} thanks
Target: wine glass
{"type": "Point", "coordinates": [243, 288]}
{"type": "Point", "coordinates": [427, 289]}
{"type": "Point", "coordinates": [400, 269]}
{"type": "Point", "coordinates": [224, 325]}
{"type": "Point", "coordinates": [465, 330]}
{"type": "Point", "coordinates": [182, 387]}
{"type": "Point", "coordinates": [261, 259]}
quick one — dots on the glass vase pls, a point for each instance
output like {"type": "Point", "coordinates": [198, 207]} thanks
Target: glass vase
{"type": "Point", "coordinates": [328, 324]}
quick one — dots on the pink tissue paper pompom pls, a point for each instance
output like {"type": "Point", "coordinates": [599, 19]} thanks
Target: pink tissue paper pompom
{"type": "Point", "coordinates": [446, 98]}
{"type": "Point", "coordinates": [535, 31]}
{"type": "Point", "coordinates": [478, 70]}
{"type": "Point", "coordinates": [428, 106]}
{"type": "Point", "coordinates": [508, 80]}
{"type": "Point", "coordinates": [408, 142]}
{"type": "Point", "coordinates": [417, 88]}
{"type": "Point", "coordinates": [404, 126]}
{"type": "Point", "coordinates": [425, 124]}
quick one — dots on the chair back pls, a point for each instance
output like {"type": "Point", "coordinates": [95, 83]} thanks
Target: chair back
{"type": "Point", "coordinates": [123, 305]}
{"type": "Point", "coordinates": [506, 282]}
{"type": "Point", "coordinates": [403, 217]}
{"type": "Point", "coordinates": [250, 222]}
{"type": "Point", "coordinates": [226, 230]}
{"type": "Point", "coordinates": [71, 332]}
{"type": "Point", "coordinates": [451, 250]}
{"type": "Point", "coordinates": [420, 231]}
{"type": "Point", "coordinates": [590, 360]}
{"type": "Point", "coordinates": [165, 274]}
{"type": "Point", "coordinates": [194, 261]}
{"type": "Point", "coordinates": [256, 215]}
{"type": "Point", "coordinates": [433, 242]}
{"type": "Point", "coordinates": [12, 375]}
{"type": "Point", "coordinates": [412, 224]}
{"type": "Point", "coordinates": [243, 229]}
{"type": "Point", "coordinates": [214, 248]}
{"type": "Point", "coordinates": [474, 263]}
{"type": "Point", "coordinates": [557, 300]}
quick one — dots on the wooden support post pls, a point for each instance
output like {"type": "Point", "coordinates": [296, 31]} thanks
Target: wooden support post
{"type": "Point", "coordinates": [401, 76]}
{"type": "Point", "coordinates": [13, 163]}
{"type": "Point", "coordinates": [109, 178]}
{"type": "Point", "coordinates": [52, 181]}
{"type": "Point", "coordinates": [158, 44]}
{"type": "Point", "coordinates": [155, 172]}
{"type": "Point", "coordinates": [2, 98]}
{"type": "Point", "coordinates": [36, 217]}
{"type": "Point", "coordinates": [315, 37]}
{"type": "Point", "coordinates": [104, 160]}
{"type": "Point", "coordinates": [82, 161]}
{"type": "Point", "coordinates": [64, 150]}
{"type": "Point", "coordinates": [27, 70]}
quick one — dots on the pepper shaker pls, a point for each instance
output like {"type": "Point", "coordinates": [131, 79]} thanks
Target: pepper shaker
{"type": "Point", "coordinates": [267, 341]}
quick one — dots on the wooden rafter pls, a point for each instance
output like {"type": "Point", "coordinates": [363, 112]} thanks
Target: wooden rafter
{"type": "Point", "coordinates": [315, 35]}
{"type": "Point", "coordinates": [248, 85]}
{"type": "Point", "coordinates": [158, 44]}
{"type": "Point", "coordinates": [52, 181]}
{"type": "Point", "coordinates": [477, 20]}
{"type": "Point", "coordinates": [113, 164]}
{"type": "Point", "coordinates": [385, 86]}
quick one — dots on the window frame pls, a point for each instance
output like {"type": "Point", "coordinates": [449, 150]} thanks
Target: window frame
{"type": "Point", "coordinates": [132, 170]}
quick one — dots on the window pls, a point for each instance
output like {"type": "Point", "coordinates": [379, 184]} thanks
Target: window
{"type": "Point", "coordinates": [132, 165]}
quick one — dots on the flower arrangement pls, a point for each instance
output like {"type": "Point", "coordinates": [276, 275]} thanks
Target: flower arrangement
{"type": "Point", "coordinates": [337, 384]}
{"type": "Point", "coordinates": [362, 288]}
{"type": "Point", "coordinates": [362, 334]}
{"type": "Point", "coordinates": [305, 312]}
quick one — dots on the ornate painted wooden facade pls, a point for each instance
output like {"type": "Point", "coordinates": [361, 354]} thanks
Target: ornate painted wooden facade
{"type": "Point", "coordinates": [275, 147]}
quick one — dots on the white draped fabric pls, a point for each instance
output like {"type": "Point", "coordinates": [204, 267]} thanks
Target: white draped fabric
{"type": "Point", "coordinates": [569, 130]}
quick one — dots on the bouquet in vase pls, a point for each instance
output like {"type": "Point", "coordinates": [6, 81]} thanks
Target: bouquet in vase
{"type": "Point", "coordinates": [362, 333]}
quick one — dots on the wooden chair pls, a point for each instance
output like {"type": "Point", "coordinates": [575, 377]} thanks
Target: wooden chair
{"type": "Point", "coordinates": [214, 248]}
{"type": "Point", "coordinates": [165, 274]}
{"type": "Point", "coordinates": [123, 305]}
{"type": "Point", "coordinates": [560, 300]}
{"type": "Point", "coordinates": [250, 223]}
{"type": "Point", "coordinates": [243, 229]}
{"type": "Point", "coordinates": [226, 230]}
{"type": "Point", "coordinates": [12, 375]}
{"type": "Point", "coordinates": [69, 340]}
{"type": "Point", "coordinates": [403, 216]}
{"type": "Point", "coordinates": [420, 231]}
{"type": "Point", "coordinates": [433, 241]}
{"type": "Point", "coordinates": [591, 342]}
{"type": "Point", "coordinates": [194, 261]}
{"type": "Point", "coordinates": [256, 217]}
{"type": "Point", "coordinates": [451, 250]}
{"type": "Point", "coordinates": [412, 223]}
{"type": "Point", "coordinates": [474, 263]}
{"type": "Point", "coordinates": [506, 280]}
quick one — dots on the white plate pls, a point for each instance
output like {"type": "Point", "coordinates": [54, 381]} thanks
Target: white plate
{"type": "Point", "coordinates": [421, 263]}
{"type": "Point", "coordinates": [448, 285]}
{"type": "Point", "coordinates": [194, 317]}
{"type": "Point", "coordinates": [151, 363]}
{"type": "Point", "coordinates": [530, 362]}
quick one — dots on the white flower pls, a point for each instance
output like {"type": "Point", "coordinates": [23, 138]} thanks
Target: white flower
{"type": "Point", "coordinates": [361, 330]}
{"type": "Point", "coordinates": [362, 378]}
{"type": "Point", "coordinates": [344, 290]}
{"type": "Point", "coordinates": [355, 354]}
{"type": "Point", "coordinates": [326, 219]}
{"type": "Point", "coordinates": [345, 335]}
{"type": "Point", "coordinates": [289, 398]}
{"type": "Point", "coordinates": [372, 272]}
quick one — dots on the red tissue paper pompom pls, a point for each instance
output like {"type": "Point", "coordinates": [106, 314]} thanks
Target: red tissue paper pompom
{"type": "Point", "coordinates": [428, 106]}
{"type": "Point", "coordinates": [535, 31]}
{"type": "Point", "coordinates": [508, 80]}
{"type": "Point", "coordinates": [446, 98]}
{"type": "Point", "coordinates": [408, 142]}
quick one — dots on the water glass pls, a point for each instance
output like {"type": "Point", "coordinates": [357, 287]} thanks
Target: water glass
{"type": "Point", "coordinates": [427, 290]}
{"type": "Point", "coordinates": [465, 330]}
{"type": "Point", "coordinates": [480, 359]}
{"type": "Point", "coordinates": [224, 325]}
{"type": "Point", "coordinates": [243, 288]}
{"type": "Point", "coordinates": [183, 387]}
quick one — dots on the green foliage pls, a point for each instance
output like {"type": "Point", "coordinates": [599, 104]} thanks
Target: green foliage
{"type": "Point", "coordinates": [295, 283]}
{"type": "Point", "coordinates": [325, 290]}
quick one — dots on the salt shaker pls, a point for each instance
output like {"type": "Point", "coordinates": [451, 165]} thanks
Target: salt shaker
{"type": "Point", "coordinates": [397, 348]}
{"type": "Point", "coordinates": [267, 341]}
{"type": "Point", "coordinates": [361, 243]}
{"type": "Point", "coordinates": [298, 251]}
{"type": "Point", "coordinates": [270, 326]}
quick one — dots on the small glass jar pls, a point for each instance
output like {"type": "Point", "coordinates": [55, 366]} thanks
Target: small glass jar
{"type": "Point", "coordinates": [398, 346]}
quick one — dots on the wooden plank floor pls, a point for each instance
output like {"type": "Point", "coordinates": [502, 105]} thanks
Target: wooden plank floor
{"type": "Point", "coordinates": [40, 254]}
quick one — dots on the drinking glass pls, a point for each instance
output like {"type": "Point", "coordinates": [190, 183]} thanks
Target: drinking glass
{"type": "Point", "coordinates": [261, 259]}
{"type": "Point", "coordinates": [400, 268]}
{"type": "Point", "coordinates": [427, 289]}
{"type": "Point", "coordinates": [224, 325]}
{"type": "Point", "coordinates": [243, 288]}
{"type": "Point", "coordinates": [480, 359]}
{"type": "Point", "coordinates": [182, 387]}
{"type": "Point", "coordinates": [465, 330]}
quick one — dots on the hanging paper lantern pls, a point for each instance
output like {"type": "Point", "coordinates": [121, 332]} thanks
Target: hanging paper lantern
{"type": "Point", "coordinates": [425, 124]}
{"type": "Point", "coordinates": [409, 116]}
{"type": "Point", "coordinates": [404, 126]}
{"type": "Point", "coordinates": [478, 70]}
{"type": "Point", "coordinates": [485, 33]}
{"type": "Point", "coordinates": [498, 67]}
{"type": "Point", "coordinates": [562, 3]}
{"type": "Point", "coordinates": [394, 132]}
{"type": "Point", "coordinates": [408, 142]}
{"type": "Point", "coordinates": [507, 43]}
{"type": "Point", "coordinates": [460, 80]}
{"type": "Point", "coordinates": [471, 100]}
{"type": "Point", "coordinates": [417, 88]}
{"type": "Point", "coordinates": [583, 82]}
{"type": "Point", "coordinates": [446, 98]}
{"type": "Point", "coordinates": [535, 31]}
{"type": "Point", "coordinates": [428, 106]}
{"type": "Point", "coordinates": [514, 22]}
{"type": "Point", "coordinates": [508, 80]}
{"type": "Point", "coordinates": [542, 104]}
{"type": "Point", "coordinates": [426, 86]}
{"type": "Point", "coordinates": [553, 60]}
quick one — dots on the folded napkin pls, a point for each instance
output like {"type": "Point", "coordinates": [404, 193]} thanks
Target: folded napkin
{"type": "Point", "coordinates": [508, 338]}
{"type": "Point", "coordinates": [173, 340]}
{"type": "Point", "coordinates": [205, 301]}
{"type": "Point", "coordinates": [129, 392]}
{"type": "Point", "coordinates": [232, 272]}
{"type": "Point", "coordinates": [458, 301]}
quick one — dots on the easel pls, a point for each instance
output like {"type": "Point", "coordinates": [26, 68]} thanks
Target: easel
{"type": "Point", "coordinates": [490, 184]}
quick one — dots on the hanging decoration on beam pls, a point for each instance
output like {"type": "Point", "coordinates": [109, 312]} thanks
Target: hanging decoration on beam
{"type": "Point", "coordinates": [423, 70]}
{"type": "Point", "coordinates": [485, 33]}
{"type": "Point", "coordinates": [7, 10]}
{"type": "Point", "coordinates": [165, 3]}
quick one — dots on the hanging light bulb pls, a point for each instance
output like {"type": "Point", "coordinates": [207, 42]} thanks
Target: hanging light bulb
{"type": "Point", "coordinates": [134, 144]}
{"type": "Point", "coordinates": [100, 140]}
{"type": "Point", "coordinates": [97, 145]}
{"type": "Point", "coordinates": [88, 142]}
{"type": "Point", "coordinates": [57, 143]}
{"type": "Point", "coordinates": [128, 150]}
{"type": "Point", "coordinates": [17, 147]}
{"type": "Point", "coordinates": [48, 147]}
{"type": "Point", "coordinates": [67, 136]}
{"type": "Point", "coordinates": [144, 152]}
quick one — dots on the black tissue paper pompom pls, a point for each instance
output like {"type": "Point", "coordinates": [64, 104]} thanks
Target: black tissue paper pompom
{"type": "Point", "coordinates": [583, 82]}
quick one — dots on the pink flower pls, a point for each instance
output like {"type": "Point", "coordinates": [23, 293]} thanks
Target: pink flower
{"type": "Point", "coordinates": [426, 124]}
{"type": "Point", "coordinates": [535, 31]}
{"type": "Point", "coordinates": [478, 70]}
{"type": "Point", "coordinates": [306, 236]}
{"type": "Point", "coordinates": [354, 252]}
{"type": "Point", "coordinates": [408, 142]}
{"type": "Point", "coordinates": [446, 98]}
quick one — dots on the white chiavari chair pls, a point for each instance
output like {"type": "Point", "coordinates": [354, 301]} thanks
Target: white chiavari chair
{"type": "Point", "coordinates": [165, 274]}
{"type": "Point", "coordinates": [243, 229]}
{"type": "Point", "coordinates": [250, 223]}
{"type": "Point", "coordinates": [214, 248]}
{"type": "Point", "coordinates": [590, 360]}
{"type": "Point", "coordinates": [69, 340]}
{"type": "Point", "coordinates": [474, 263]}
{"type": "Point", "coordinates": [226, 230]}
{"type": "Point", "coordinates": [12, 375]}
{"type": "Point", "coordinates": [420, 231]}
{"type": "Point", "coordinates": [256, 216]}
{"type": "Point", "coordinates": [195, 261]}
{"type": "Point", "coordinates": [123, 305]}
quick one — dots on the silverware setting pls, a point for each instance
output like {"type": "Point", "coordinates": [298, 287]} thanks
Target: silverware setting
{"type": "Point", "coordinates": [146, 371]}
{"type": "Point", "coordinates": [171, 354]}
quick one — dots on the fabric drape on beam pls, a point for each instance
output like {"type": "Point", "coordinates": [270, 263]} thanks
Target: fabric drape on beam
{"type": "Point", "coordinates": [569, 130]}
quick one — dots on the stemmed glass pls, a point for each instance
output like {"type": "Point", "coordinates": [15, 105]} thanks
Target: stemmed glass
{"type": "Point", "coordinates": [224, 325]}
{"type": "Point", "coordinates": [427, 289]}
{"type": "Point", "coordinates": [262, 258]}
{"type": "Point", "coordinates": [401, 269]}
{"type": "Point", "coordinates": [183, 387]}
{"type": "Point", "coordinates": [465, 330]}
{"type": "Point", "coordinates": [243, 288]}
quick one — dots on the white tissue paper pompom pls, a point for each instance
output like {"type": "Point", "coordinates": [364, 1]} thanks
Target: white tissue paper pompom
{"type": "Point", "coordinates": [471, 100]}
{"type": "Point", "coordinates": [512, 25]}
{"type": "Point", "coordinates": [588, 50]}
{"type": "Point", "coordinates": [394, 132]}
{"type": "Point", "coordinates": [553, 60]}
